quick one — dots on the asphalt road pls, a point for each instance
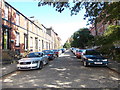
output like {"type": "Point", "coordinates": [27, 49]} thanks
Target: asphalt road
{"type": "Point", "coordinates": [65, 71]}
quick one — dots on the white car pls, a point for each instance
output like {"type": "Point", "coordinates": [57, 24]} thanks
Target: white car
{"type": "Point", "coordinates": [34, 60]}
{"type": "Point", "coordinates": [76, 51]}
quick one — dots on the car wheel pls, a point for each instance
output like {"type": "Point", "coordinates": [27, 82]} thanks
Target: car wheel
{"type": "Point", "coordinates": [41, 65]}
{"type": "Point", "coordinates": [85, 64]}
{"type": "Point", "coordinates": [79, 57]}
{"type": "Point", "coordinates": [82, 60]}
{"type": "Point", "coordinates": [47, 61]}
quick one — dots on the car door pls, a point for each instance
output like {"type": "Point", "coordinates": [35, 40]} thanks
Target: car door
{"type": "Point", "coordinates": [82, 55]}
{"type": "Point", "coordinates": [45, 58]}
{"type": "Point", "coordinates": [42, 58]}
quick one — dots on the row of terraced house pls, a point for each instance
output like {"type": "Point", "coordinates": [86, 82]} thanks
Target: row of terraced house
{"type": "Point", "coordinates": [21, 34]}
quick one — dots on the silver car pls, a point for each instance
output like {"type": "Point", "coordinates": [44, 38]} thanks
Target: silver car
{"type": "Point", "coordinates": [34, 60]}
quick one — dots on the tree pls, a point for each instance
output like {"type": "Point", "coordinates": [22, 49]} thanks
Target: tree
{"type": "Point", "coordinates": [66, 45]}
{"type": "Point", "coordinates": [110, 42]}
{"type": "Point", "coordinates": [111, 36]}
{"type": "Point", "coordinates": [95, 11]}
{"type": "Point", "coordinates": [81, 38]}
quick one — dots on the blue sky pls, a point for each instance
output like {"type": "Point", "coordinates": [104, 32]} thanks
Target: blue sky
{"type": "Point", "coordinates": [62, 23]}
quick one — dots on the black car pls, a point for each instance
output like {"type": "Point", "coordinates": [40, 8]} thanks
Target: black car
{"type": "Point", "coordinates": [50, 54]}
{"type": "Point", "coordinates": [92, 57]}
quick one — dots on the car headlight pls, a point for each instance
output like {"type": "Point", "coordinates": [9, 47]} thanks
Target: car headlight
{"type": "Point", "coordinates": [90, 60]}
{"type": "Point", "coordinates": [104, 60]}
{"type": "Point", "coordinates": [35, 62]}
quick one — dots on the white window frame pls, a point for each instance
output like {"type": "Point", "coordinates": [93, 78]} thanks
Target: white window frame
{"type": "Point", "coordinates": [31, 42]}
{"type": "Point", "coordinates": [36, 43]}
{"type": "Point", "coordinates": [25, 41]}
{"type": "Point", "coordinates": [6, 12]}
{"type": "Point", "coordinates": [25, 23]}
{"type": "Point", "coordinates": [39, 44]}
{"type": "Point", "coordinates": [17, 18]}
{"type": "Point", "coordinates": [17, 39]}
{"type": "Point", "coordinates": [30, 26]}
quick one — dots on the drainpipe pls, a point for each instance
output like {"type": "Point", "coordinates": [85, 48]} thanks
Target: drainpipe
{"type": "Point", "coordinates": [95, 24]}
{"type": "Point", "coordinates": [0, 33]}
{"type": "Point", "coordinates": [10, 30]}
{"type": "Point", "coordinates": [27, 34]}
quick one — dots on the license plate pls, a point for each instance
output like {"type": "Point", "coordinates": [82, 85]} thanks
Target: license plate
{"type": "Point", "coordinates": [97, 62]}
{"type": "Point", "coordinates": [24, 66]}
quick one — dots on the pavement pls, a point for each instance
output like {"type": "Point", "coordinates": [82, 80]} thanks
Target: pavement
{"type": "Point", "coordinates": [9, 68]}
{"type": "Point", "coordinates": [114, 65]}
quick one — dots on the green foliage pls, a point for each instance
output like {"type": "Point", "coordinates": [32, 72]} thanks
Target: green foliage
{"type": "Point", "coordinates": [109, 51]}
{"type": "Point", "coordinates": [103, 10]}
{"type": "Point", "coordinates": [110, 42]}
{"type": "Point", "coordinates": [110, 36]}
{"type": "Point", "coordinates": [81, 38]}
{"type": "Point", "coordinates": [66, 45]}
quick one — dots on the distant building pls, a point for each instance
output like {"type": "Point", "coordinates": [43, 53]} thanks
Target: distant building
{"type": "Point", "coordinates": [56, 40]}
{"type": "Point", "coordinates": [101, 27]}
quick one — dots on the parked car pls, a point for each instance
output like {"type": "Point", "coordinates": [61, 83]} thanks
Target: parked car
{"type": "Point", "coordinates": [92, 57]}
{"type": "Point", "coordinates": [79, 53]}
{"type": "Point", "coordinates": [34, 60]}
{"type": "Point", "coordinates": [51, 55]}
{"type": "Point", "coordinates": [57, 52]}
{"type": "Point", "coordinates": [72, 49]}
{"type": "Point", "coordinates": [63, 50]}
{"type": "Point", "coordinates": [76, 50]}
{"type": "Point", "coordinates": [60, 51]}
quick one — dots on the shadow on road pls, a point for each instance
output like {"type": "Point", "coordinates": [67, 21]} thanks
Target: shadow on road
{"type": "Point", "coordinates": [65, 71]}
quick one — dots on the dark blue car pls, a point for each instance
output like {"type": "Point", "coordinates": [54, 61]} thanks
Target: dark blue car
{"type": "Point", "coordinates": [91, 57]}
{"type": "Point", "coordinates": [50, 54]}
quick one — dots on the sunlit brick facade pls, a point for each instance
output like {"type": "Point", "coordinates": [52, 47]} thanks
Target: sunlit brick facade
{"type": "Point", "coordinates": [101, 27]}
{"type": "Point", "coordinates": [21, 34]}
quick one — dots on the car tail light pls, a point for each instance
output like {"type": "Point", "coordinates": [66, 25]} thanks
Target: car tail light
{"type": "Point", "coordinates": [56, 52]}
{"type": "Point", "coordinates": [49, 55]}
{"type": "Point", "coordinates": [77, 53]}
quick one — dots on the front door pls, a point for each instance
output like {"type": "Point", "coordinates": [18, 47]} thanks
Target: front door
{"type": "Point", "coordinates": [5, 38]}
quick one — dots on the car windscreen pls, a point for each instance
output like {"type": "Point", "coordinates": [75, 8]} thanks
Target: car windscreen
{"type": "Point", "coordinates": [97, 57]}
{"type": "Point", "coordinates": [92, 52]}
{"type": "Point", "coordinates": [47, 51]}
{"type": "Point", "coordinates": [55, 50]}
{"type": "Point", "coordinates": [31, 55]}
{"type": "Point", "coordinates": [79, 50]}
